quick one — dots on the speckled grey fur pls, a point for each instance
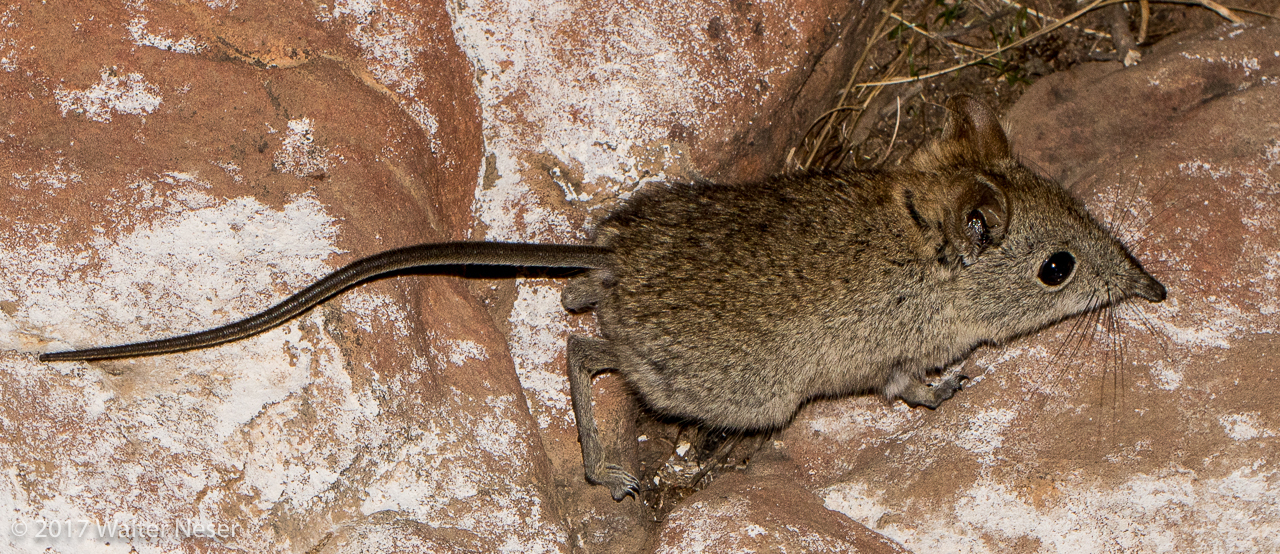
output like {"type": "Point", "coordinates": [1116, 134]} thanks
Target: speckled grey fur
{"type": "Point", "coordinates": [732, 305]}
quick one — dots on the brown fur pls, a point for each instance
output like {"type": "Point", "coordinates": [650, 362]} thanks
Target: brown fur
{"type": "Point", "coordinates": [732, 305]}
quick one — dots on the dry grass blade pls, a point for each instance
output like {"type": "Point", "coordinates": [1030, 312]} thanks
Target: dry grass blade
{"type": "Point", "coordinates": [1221, 10]}
{"type": "Point", "coordinates": [927, 34]}
{"type": "Point", "coordinates": [1145, 7]}
{"type": "Point", "coordinates": [1044, 17]}
{"type": "Point", "coordinates": [1226, 12]}
{"type": "Point", "coordinates": [992, 53]}
{"type": "Point", "coordinates": [841, 136]}
{"type": "Point", "coordinates": [897, 122]}
{"type": "Point", "coordinates": [853, 77]}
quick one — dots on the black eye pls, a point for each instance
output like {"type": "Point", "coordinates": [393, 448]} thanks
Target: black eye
{"type": "Point", "coordinates": [1055, 270]}
{"type": "Point", "coordinates": [976, 226]}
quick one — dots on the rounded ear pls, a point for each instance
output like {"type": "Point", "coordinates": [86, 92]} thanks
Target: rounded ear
{"type": "Point", "coordinates": [975, 128]}
{"type": "Point", "coordinates": [980, 219]}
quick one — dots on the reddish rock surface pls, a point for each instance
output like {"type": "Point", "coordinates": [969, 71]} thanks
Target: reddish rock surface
{"type": "Point", "coordinates": [166, 167]}
{"type": "Point", "coordinates": [753, 513]}
{"type": "Point", "coordinates": [1151, 429]}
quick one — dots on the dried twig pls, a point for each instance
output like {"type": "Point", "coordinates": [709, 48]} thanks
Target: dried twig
{"type": "Point", "coordinates": [1220, 10]}
{"type": "Point", "coordinates": [1145, 7]}
{"type": "Point", "coordinates": [1121, 37]}
{"type": "Point", "coordinates": [1230, 10]}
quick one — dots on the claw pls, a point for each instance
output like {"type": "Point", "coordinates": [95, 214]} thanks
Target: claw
{"type": "Point", "coordinates": [621, 483]}
{"type": "Point", "coordinates": [630, 490]}
{"type": "Point", "coordinates": [946, 389]}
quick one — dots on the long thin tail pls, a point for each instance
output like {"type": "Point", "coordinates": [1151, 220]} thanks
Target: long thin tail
{"type": "Point", "coordinates": [423, 255]}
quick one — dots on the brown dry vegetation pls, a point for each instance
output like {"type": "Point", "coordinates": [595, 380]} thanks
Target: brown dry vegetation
{"type": "Point", "coordinates": [879, 125]}
{"type": "Point", "coordinates": [992, 49]}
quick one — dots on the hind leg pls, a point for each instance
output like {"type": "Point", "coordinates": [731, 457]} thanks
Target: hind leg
{"type": "Point", "coordinates": [584, 292]}
{"type": "Point", "coordinates": [587, 358]}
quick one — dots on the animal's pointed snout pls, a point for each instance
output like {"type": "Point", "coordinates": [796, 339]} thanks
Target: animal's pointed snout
{"type": "Point", "coordinates": [1150, 289]}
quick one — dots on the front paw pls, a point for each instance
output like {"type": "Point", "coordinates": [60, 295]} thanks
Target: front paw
{"type": "Point", "coordinates": [931, 396]}
{"type": "Point", "coordinates": [947, 388]}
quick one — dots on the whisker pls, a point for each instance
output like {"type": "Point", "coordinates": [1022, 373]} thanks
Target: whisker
{"type": "Point", "coordinates": [1118, 346]}
{"type": "Point", "coordinates": [1056, 358]}
{"type": "Point", "coordinates": [1125, 217]}
{"type": "Point", "coordinates": [1145, 321]}
{"type": "Point", "coordinates": [1167, 211]}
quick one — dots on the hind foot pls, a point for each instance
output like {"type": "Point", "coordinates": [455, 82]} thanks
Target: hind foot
{"type": "Point", "coordinates": [621, 483]}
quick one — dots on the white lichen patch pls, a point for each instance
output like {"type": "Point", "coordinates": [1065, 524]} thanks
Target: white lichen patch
{"type": "Point", "coordinates": [1208, 320]}
{"type": "Point", "coordinates": [595, 108]}
{"type": "Point", "coordinates": [246, 426]}
{"type": "Point", "coordinates": [130, 94]}
{"type": "Point", "coordinates": [232, 169]}
{"type": "Point", "coordinates": [207, 264]}
{"type": "Point", "coordinates": [591, 113]}
{"type": "Point", "coordinates": [1247, 64]}
{"type": "Point", "coordinates": [258, 426]}
{"type": "Point", "coordinates": [183, 272]}
{"type": "Point", "coordinates": [387, 40]}
{"type": "Point", "coordinates": [468, 450]}
{"type": "Point", "coordinates": [8, 55]}
{"type": "Point", "coordinates": [1245, 426]}
{"type": "Point", "coordinates": [298, 445]}
{"type": "Point", "coordinates": [539, 326]}
{"type": "Point", "coordinates": [510, 215]}
{"type": "Point", "coordinates": [298, 153]}
{"type": "Point", "coordinates": [1029, 360]}
{"type": "Point", "coordinates": [855, 500]}
{"type": "Point", "coordinates": [142, 37]}
{"type": "Point", "coordinates": [1270, 306]}
{"type": "Point", "coordinates": [50, 179]}
{"type": "Point", "coordinates": [868, 421]}
{"type": "Point", "coordinates": [1167, 376]}
{"type": "Point", "coordinates": [985, 432]}
{"type": "Point", "coordinates": [1271, 153]}
{"type": "Point", "coordinates": [1177, 511]}
{"type": "Point", "coordinates": [721, 526]}
{"type": "Point", "coordinates": [457, 352]}
{"type": "Point", "coordinates": [1199, 168]}
{"type": "Point", "coordinates": [1202, 333]}
{"type": "Point", "coordinates": [369, 308]}
{"type": "Point", "coordinates": [9, 47]}
{"type": "Point", "coordinates": [707, 526]}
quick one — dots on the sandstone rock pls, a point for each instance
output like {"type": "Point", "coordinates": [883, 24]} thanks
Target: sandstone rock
{"type": "Point", "coordinates": [166, 167]}
{"type": "Point", "coordinates": [763, 514]}
{"type": "Point", "coordinates": [1150, 429]}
